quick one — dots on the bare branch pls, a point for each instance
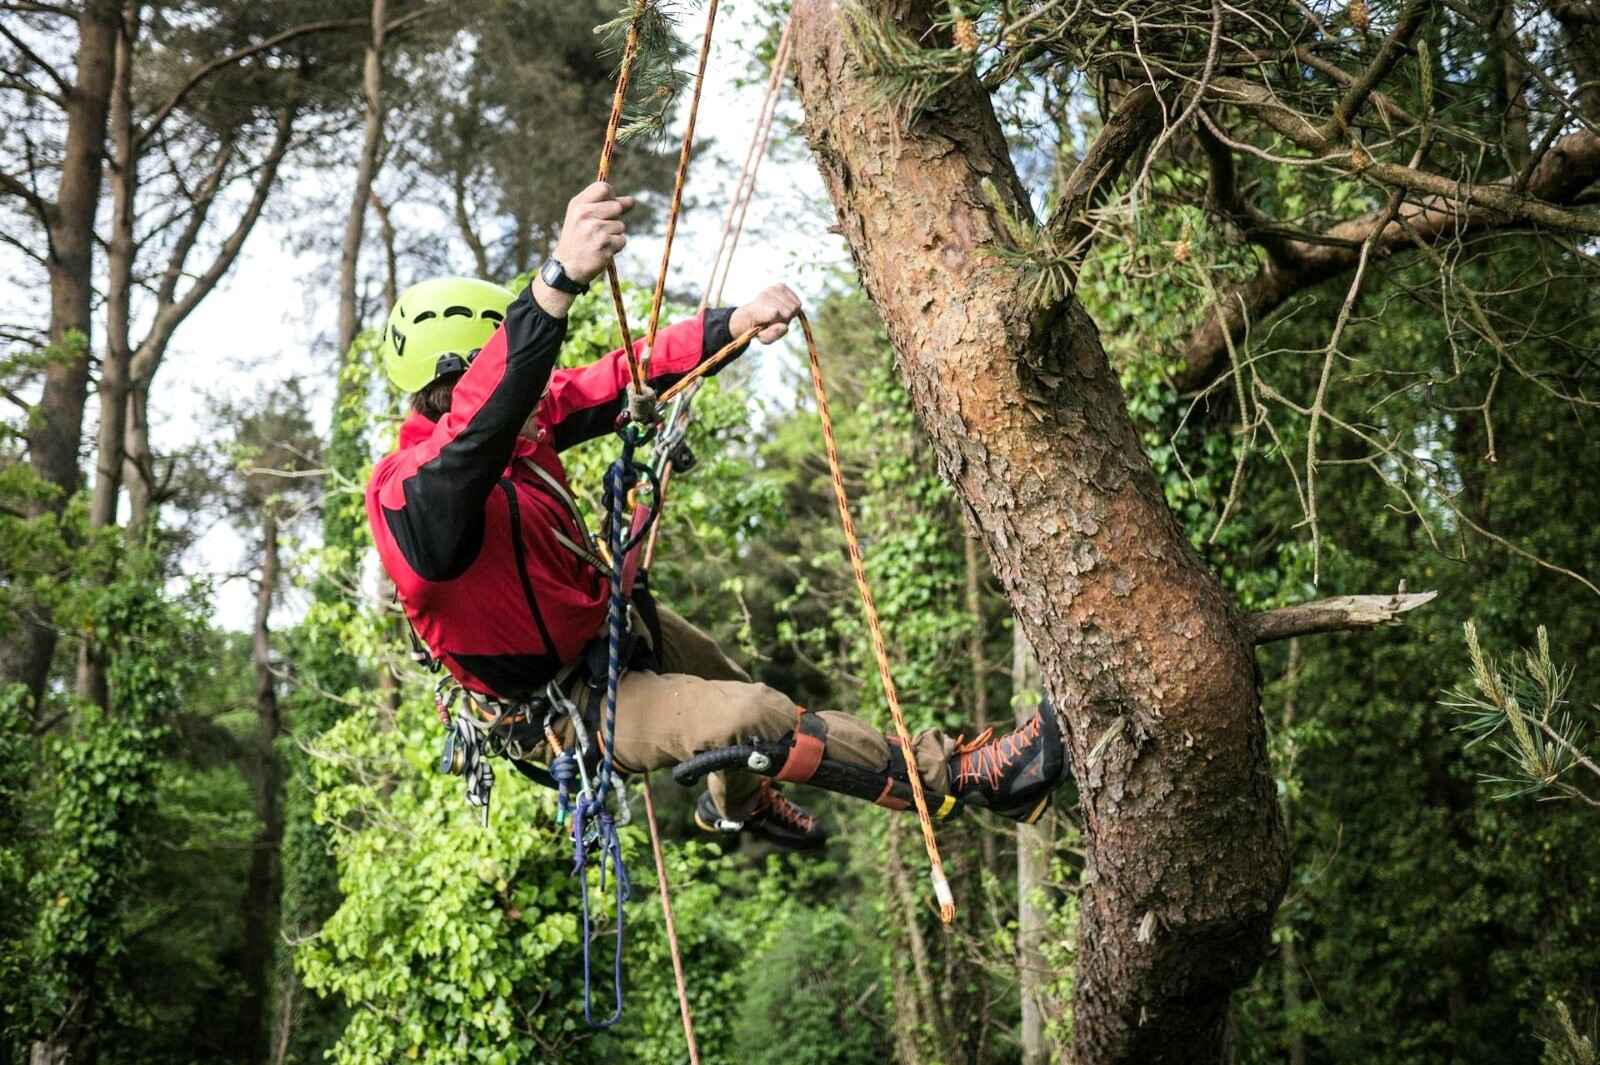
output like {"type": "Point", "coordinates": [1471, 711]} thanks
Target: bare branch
{"type": "Point", "coordinates": [1343, 613]}
{"type": "Point", "coordinates": [238, 56]}
{"type": "Point", "coordinates": [1124, 134]}
{"type": "Point", "coordinates": [1562, 174]}
{"type": "Point", "coordinates": [1394, 46]}
{"type": "Point", "coordinates": [15, 186]}
{"type": "Point", "coordinates": [63, 87]}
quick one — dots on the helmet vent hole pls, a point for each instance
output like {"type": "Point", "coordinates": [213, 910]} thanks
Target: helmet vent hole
{"type": "Point", "coordinates": [493, 316]}
{"type": "Point", "coordinates": [458, 311]}
{"type": "Point", "coordinates": [425, 316]}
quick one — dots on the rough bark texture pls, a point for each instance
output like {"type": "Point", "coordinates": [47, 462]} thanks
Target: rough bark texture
{"type": "Point", "coordinates": [1138, 646]}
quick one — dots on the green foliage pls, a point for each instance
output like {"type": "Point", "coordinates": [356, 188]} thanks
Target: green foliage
{"type": "Point", "coordinates": [448, 935]}
{"type": "Point", "coordinates": [1524, 711]}
{"type": "Point", "coordinates": [814, 995]}
{"type": "Point", "coordinates": [107, 767]}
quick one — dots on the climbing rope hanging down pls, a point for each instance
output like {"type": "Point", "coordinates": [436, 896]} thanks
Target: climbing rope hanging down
{"type": "Point", "coordinates": [940, 883]}
{"type": "Point", "coordinates": [625, 539]}
{"type": "Point", "coordinates": [594, 827]}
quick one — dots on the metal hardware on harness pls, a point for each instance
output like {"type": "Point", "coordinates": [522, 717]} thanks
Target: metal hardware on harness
{"type": "Point", "coordinates": [464, 755]}
{"type": "Point", "coordinates": [681, 457]}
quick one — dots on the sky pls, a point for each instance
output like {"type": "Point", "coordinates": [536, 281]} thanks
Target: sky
{"type": "Point", "coordinates": [265, 319]}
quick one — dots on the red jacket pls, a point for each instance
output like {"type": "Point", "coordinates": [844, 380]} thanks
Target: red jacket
{"type": "Point", "coordinates": [470, 533]}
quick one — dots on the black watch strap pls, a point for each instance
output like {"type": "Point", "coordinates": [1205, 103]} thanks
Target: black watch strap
{"type": "Point", "coordinates": [555, 275]}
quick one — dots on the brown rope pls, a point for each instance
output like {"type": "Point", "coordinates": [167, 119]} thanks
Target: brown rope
{"type": "Point", "coordinates": [941, 886]}
{"type": "Point", "coordinates": [724, 354]}
{"type": "Point", "coordinates": [672, 929]}
{"type": "Point", "coordinates": [608, 148]}
{"type": "Point", "coordinates": [607, 151]}
{"type": "Point", "coordinates": [744, 190]}
{"type": "Point", "coordinates": [682, 176]}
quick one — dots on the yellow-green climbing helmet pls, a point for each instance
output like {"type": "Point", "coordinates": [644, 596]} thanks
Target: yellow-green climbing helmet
{"type": "Point", "coordinates": [437, 326]}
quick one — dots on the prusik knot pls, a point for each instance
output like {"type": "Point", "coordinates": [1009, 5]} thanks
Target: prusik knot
{"type": "Point", "coordinates": [642, 407]}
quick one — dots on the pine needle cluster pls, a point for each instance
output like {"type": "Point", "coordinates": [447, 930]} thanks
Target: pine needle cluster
{"type": "Point", "coordinates": [1048, 267]}
{"type": "Point", "coordinates": [904, 73]}
{"type": "Point", "coordinates": [657, 81]}
{"type": "Point", "coordinates": [1523, 711]}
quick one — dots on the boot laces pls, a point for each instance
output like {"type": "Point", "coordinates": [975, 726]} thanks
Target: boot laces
{"type": "Point", "coordinates": [772, 803]}
{"type": "Point", "coordinates": [985, 759]}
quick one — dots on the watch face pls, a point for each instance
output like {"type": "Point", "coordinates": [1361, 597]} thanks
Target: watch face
{"type": "Point", "coordinates": [550, 272]}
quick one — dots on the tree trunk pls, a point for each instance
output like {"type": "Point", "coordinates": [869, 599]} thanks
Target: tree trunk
{"type": "Point", "coordinates": [53, 436]}
{"type": "Point", "coordinates": [933, 1027]}
{"type": "Point", "coordinates": [261, 890]}
{"type": "Point", "coordinates": [114, 360]}
{"type": "Point", "coordinates": [366, 171]}
{"type": "Point", "coordinates": [1288, 953]}
{"type": "Point", "coordinates": [1140, 649]}
{"type": "Point", "coordinates": [1033, 871]}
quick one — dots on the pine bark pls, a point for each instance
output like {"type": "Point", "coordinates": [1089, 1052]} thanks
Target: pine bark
{"type": "Point", "coordinates": [1140, 649]}
{"type": "Point", "coordinates": [54, 436]}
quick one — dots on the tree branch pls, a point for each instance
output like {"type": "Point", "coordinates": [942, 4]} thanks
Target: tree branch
{"type": "Point", "coordinates": [42, 208]}
{"type": "Point", "coordinates": [1132, 124]}
{"type": "Point", "coordinates": [1393, 47]}
{"type": "Point", "coordinates": [1341, 614]}
{"type": "Point", "coordinates": [206, 70]}
{"type": "Point", "coordinates": [63, 87]}
{"type": "Point", "coordinates": [200, 205]}
{"type": "Point", "coordinates": [1448, 210]}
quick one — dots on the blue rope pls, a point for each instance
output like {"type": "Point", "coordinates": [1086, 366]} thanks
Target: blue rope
{"type": "Point", "coordinates": [610, 854]}
{"type": "Point", "coordinates": [589, 807]}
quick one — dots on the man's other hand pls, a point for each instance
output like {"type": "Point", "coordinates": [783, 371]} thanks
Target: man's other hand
{"type": "Point", "coordinates": [773, 310]}
{"type": "Point", "coordinates": [593, 232]}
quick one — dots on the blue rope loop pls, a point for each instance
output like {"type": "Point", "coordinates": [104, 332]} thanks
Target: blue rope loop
{"type": "Point", "coordinates": [592, 824]}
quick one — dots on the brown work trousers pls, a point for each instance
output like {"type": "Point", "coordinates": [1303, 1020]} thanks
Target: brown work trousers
{"type": "Point", "coordinates": [701, 700]}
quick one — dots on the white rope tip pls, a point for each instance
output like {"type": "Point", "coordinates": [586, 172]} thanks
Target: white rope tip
{"type": "Point", "coordinates": [947, 900]}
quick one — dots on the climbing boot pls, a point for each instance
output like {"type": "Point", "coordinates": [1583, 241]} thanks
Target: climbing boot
{"type": "Point", "coordinates": [772, 817]}
{"type": "Point", "coordinates": [1013, 775]}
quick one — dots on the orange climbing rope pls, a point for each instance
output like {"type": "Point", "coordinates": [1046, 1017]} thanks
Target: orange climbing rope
{"type": "Point", "coordinates": [608, 148]}
{"type": "Point", "coordinates": [677, 186]}
{"type": "Point", "coordinates": [745, 187]}
{"type": "Point", "coordinates": [637, 375]}
{"type": "Point", "coordinates": [941, 886]}
{"type": "Point", "coordinates": [733, 227]}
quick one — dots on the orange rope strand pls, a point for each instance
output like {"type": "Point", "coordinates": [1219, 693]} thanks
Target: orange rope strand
{"type": "Point", "coordinates": [630, 51]}
{"type": "Point", "coordinates": [747, 171]}
{"type": "Point", "coordinates": [682, 176]}
{"type": "Point", "coordinates": [672, 929]}
{"type": "Point", "coordinates": [941, 886]}
{"type": "Point", "coordinates": [709, 365]}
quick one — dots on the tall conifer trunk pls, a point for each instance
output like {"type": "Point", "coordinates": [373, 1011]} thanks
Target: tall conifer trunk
{"type": "Point", "coordinates": [1139, 648]}
{"type": "Point", "coordinates": [54, 436]}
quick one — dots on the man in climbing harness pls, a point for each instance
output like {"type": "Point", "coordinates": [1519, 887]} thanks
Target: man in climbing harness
{"type": "Point", "coordinates": [504, 585]}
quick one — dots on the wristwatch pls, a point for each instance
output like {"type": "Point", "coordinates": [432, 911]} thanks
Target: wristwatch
{"type": "Point", "coordinates": [554, 274]}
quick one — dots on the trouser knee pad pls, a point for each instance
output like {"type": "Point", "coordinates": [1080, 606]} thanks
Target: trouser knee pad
{"type": "Point", "coordinates": [799, 757]}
